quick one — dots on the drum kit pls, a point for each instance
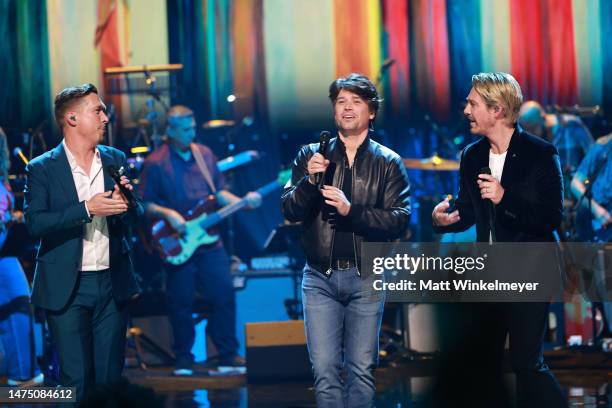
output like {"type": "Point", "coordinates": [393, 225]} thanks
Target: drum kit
{"type": "Point", "coordinates": [436, 172]}
{"type": "Point", "coordinates": [433, 163]}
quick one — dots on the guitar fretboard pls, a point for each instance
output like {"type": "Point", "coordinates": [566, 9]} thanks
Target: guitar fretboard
{"type": "Point", "coordinates": [229, 209]}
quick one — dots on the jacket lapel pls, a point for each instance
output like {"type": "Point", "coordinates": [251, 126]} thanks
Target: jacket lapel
{"type": "Point", "coordinates": [64, 173]}
{"type": "Point", "coordinates": [482, 157]}
{"type": "Point", "coordinates": [107, 160]}
{"type": "Point", "coordinates": [511, 164]}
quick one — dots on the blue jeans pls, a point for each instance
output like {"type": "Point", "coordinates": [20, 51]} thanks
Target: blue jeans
{"type": "Point", "coordinates": [207, 272]}
{"type": "Point", "coordinates": [15, 332]}
{"type": "Point", "coordinates": [342, 313]}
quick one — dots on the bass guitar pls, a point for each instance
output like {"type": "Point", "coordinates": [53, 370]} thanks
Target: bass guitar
{"type": "Point", "coordinates": [200, 225]}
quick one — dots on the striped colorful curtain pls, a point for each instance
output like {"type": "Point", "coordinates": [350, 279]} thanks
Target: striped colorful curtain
{"type": "Point", "coordinates": [249, 80]}
{"type": "Point", "coordinates": [465, 47]}
{"type": "Point", "coordinates": [24, 71]}
{"type": "Point", "coordinates": [605, 27]}
{"type": "Point", "coordinates": [396, 46]}
{"type": "Point", "coordinates": [279, 56]}
{"type": "Point", "coordinates": [199, 34]}
{"type": "Point", "coordinates": [431, 57]}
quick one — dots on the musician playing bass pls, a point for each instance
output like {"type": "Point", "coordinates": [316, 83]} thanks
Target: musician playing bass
{"type": "Point", "coordinates": [175, 178]}
{"type": "Point", "coordinates": [597, 192]}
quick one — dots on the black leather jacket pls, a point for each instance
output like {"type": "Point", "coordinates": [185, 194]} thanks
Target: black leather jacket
{"type": "Point", "coordinates": [380, 203]}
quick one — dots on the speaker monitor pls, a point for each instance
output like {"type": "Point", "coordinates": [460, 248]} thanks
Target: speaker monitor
{"type": "Point", "coordinates": [277, 351]}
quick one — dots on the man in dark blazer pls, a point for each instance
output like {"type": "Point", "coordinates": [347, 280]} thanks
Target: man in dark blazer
{"type": "Point", "coordinates": [521, 200]}
{"type": "Point", "coordinates": [84, 274]}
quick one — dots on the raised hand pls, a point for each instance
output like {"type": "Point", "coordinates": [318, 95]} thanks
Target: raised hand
{"type": "Point", "coordinates": [441, 217]}
{"type": "Point", "coordinates": [316, 164]}
{"type": "Point", "coordinates": [103, 204]}
{"type": "Point", "coordinates": [336, 198]}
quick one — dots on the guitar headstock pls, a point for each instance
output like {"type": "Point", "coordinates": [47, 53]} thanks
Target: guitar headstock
{"type": "Point", "coordinates": [284, 176]}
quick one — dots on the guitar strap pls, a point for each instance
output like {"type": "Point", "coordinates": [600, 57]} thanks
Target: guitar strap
{"type": "Point", "coordinates": [197, 155]}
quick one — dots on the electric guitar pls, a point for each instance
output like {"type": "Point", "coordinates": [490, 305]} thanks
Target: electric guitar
{"type": "Point", "coordinates": [199, 226]}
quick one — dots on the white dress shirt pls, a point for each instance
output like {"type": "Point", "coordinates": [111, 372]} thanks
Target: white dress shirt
{"type": "Point", "coordinates": [496, 164]}
{"type": "Point", "coordinates": [95, 234]}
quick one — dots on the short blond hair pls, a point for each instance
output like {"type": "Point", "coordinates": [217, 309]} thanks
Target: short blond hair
{"type": "Point", "coordinates": [499, 89]}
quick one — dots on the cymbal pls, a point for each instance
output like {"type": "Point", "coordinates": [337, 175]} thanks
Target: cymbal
{"type": "Point", "coordinates": [218, 123]}
{"type": "Point", "coordinates": [433, 163]}
{"type": "Point", "coordinates": [143, 68]}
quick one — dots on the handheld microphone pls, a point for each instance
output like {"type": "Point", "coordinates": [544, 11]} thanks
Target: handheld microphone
{"type": "Point", "coordinates": [490, 206]}
{"type": "Point", "coordinates": [323, 143]}
{"type": "Point", "coordinates": [116, 176]}
{"type": "Point", "coordinates": [17, 152]}
{"type": "Point", "coordinates": [485, 170]}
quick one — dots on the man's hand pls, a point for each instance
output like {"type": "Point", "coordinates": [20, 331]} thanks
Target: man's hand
{"type": "Point", "coordinates": [316, 164]}
{"type": "Point", "coordinates": [17, 216]}
{"type": "Point", "coordinates": [490, 188]}
{"type": "Point", "coordinates": [253, 199]}
{"type": "Point", "coordinates": [176, 220]}
{"type": "Point", "coordinates": [601, 215]}
{"type": "Point", "coordinates": [103, 205]}
{"type": "Point", "coordinates": [441, 218]}
{"type": "Point", "coordinates": [336, 198]}
{"type": "Point", "coordinates": [117, 193]}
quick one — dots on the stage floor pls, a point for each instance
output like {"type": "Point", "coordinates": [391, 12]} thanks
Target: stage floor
{"type": "Point", "coordinates": [586, 378]}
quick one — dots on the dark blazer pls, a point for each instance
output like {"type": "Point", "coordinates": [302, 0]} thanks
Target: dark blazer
{"type": "Point", "coordinates": [532, 205]}
{"type": "Point", "coordinates": [53, 213]}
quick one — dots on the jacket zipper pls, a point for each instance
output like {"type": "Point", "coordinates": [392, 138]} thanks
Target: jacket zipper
{"type": "Point", "coordinates": [328, 272]}
{"type": "Point", "coordinates": [352, 192]}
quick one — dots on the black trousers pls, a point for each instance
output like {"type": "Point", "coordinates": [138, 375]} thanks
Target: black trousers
{"type": "Point", "coordinates": [525, 324]}
{"type": "Point", "coordinates": [89, 334]}
{"type": "Point", "coordinates": [209, 273]}
{"type": "Point", "coordinates": [471, 372]}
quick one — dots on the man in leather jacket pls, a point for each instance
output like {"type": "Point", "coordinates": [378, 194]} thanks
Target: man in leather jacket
{"type": "Point", "coordinates": [365, 197]}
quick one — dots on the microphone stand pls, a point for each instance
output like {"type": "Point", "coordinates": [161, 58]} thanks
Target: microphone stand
{"type": "Point", "coordinates": [110, 125]}
{"type": "Point", "coordinates": [153, 115]}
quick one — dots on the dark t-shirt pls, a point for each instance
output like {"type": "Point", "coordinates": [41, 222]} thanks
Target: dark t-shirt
{"type": "Point", "coordinates": [343, 240]}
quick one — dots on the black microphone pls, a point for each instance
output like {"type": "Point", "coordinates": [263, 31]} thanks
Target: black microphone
{"type": "Point", "coordinates": [485, 170]}
{"type": "Point", "coordinates": [323, 143]}
{"type": "Point", "coordinates": [116, 176]}
{"type": "Point", "coordinates": [490, 206]}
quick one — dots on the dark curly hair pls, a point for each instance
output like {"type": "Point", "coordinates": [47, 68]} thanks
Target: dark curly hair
{"type": "Point", "coordinates": [357, 84]}
{"type": "Point", "coordinates": [360, 85]}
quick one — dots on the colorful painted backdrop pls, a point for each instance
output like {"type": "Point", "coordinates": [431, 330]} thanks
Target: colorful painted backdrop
{"type": "Point", "coordinates": [279, 56]}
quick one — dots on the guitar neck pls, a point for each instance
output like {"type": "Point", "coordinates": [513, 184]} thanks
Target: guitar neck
{"type": "Point", "coordinates": [230, 209]}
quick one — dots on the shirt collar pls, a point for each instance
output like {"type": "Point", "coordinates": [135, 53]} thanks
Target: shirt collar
{"type": "Point", "coordinates": [179, 156]}
{"type": "Point", "coordinates": [72, 161]}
